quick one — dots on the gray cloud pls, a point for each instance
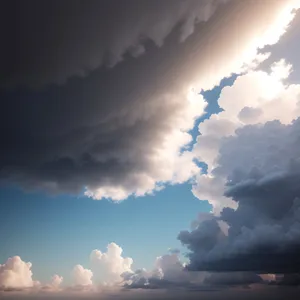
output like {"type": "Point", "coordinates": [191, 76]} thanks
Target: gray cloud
{"type": "Point", "coordinates": [289, 280]}
{"type": "Point", "coordinates": [261, 164]}
{"type": "Point", "coordinates": [115, 131]}
{"type": "Point", "coordinates": [232, 279]}
{"type": "Point", "coordinates": [170, 273]}
{"type": "Point", "coordinates": [51, 41]}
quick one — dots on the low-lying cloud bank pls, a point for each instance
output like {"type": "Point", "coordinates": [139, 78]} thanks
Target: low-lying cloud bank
{"type": "Point", "coordinates": [110, 273]}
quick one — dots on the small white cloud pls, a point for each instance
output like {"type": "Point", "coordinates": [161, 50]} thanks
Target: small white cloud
{"type": "Point", "coordinates": [15, 273]}
{"type": "Point", "coordinates": [82, 276]}
{"type": "Point", "coordinates": [108, 266]}
{"type": "Point", "coordinates": [256, 97]}
{"type": "Point", "coordinates": [56, 281]}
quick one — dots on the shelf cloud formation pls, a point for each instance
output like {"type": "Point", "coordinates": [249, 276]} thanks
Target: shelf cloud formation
{"type": "Point", "coordinates": [73, 121]}
{"type": "Point", "coordinates": [74, 38]}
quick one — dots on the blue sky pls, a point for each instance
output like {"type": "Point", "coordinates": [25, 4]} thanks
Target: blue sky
{"type": "Point", "coordinates": [63, 230]}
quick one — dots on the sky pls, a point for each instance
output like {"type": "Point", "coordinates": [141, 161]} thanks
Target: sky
{"type": "Point", "coordinates": [150, 149]}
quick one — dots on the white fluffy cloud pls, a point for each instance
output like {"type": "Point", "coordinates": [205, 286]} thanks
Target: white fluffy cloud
{"type": "Point", "coordinates": [256, 97]}
{"type": "Point", "coordinates": [56, 281]}
{"type": "Point", "coordinates": [108, 266]}
{"type": "Point", "coordinates": [82, 276]}
{"type": "Point", "coordinates": [171, 267]}
{"type": "Point", "coordinates": [15, 273]}
{"type": "Point", "coordinates": [168, 272]}
{"type": "Point", "coordinates": [244, 53]}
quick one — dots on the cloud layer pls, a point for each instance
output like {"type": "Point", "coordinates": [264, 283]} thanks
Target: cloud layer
{"type": "Point", "coordinates": [110, 265]}
{"type": "Point", "coordinates": [45, 45]}
{"type": "Point", "coordinates": [120, 131]}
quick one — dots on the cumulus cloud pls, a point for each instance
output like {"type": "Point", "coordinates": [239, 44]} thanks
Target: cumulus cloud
{"type": "Point", "coordinates": [169, 272]}
{"type": "Point", "coordinates": [166, 269]}
{"type": "Point", "coordinates": [110, 265]}
{"type": "Point", "coordinates": [251, 150]}
{"type": "Point", "coordinates": [256, 97]}
{"type": "Point", "coordinates": [170, 266]}
{"type": "Point", "coordinates": [56, 281]}
{"type": "Point", "coordinates": [261, 167]}
{"type": "Point", "coordinates": [16, 274]}
{"type": "Point", "coordinates": [120, 131]}
{"type": "Point", "coordinates": [54, 286]}
{"type": "Point", "coordinates": [82, 276]}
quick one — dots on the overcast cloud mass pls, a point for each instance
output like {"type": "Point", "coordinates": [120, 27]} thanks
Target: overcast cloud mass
{"type": "Point", "coordinates": [120, 130]}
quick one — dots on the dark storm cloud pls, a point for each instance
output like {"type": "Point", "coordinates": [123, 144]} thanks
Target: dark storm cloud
{"type": "Point", "coordinates": [262, 167]}
{"type": "Point", "coordinates": [116, 131]}
{"type": "Point", "coordinates": [209, 282]}
{"type": "Point", "coordinates": [50, 41]}
{"type": "Point", "coordinates": [289, 280]}
{"type": "Point", "coordinates": [232, 279]}
{"type": "Point", "coordinates": [170, 274]}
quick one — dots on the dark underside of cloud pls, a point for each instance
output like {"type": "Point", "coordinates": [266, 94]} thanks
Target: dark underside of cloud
{"type": "Point", "coordinates": [97, 129]}
{"type": "Point", "coordinates": [261, 163]}
{"type": "Point", "coordinates": [92, 90]}
{"type": "Point", "coordinates": [52, 41]}
{"type": "Point", "coordinates": [105, 126]}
